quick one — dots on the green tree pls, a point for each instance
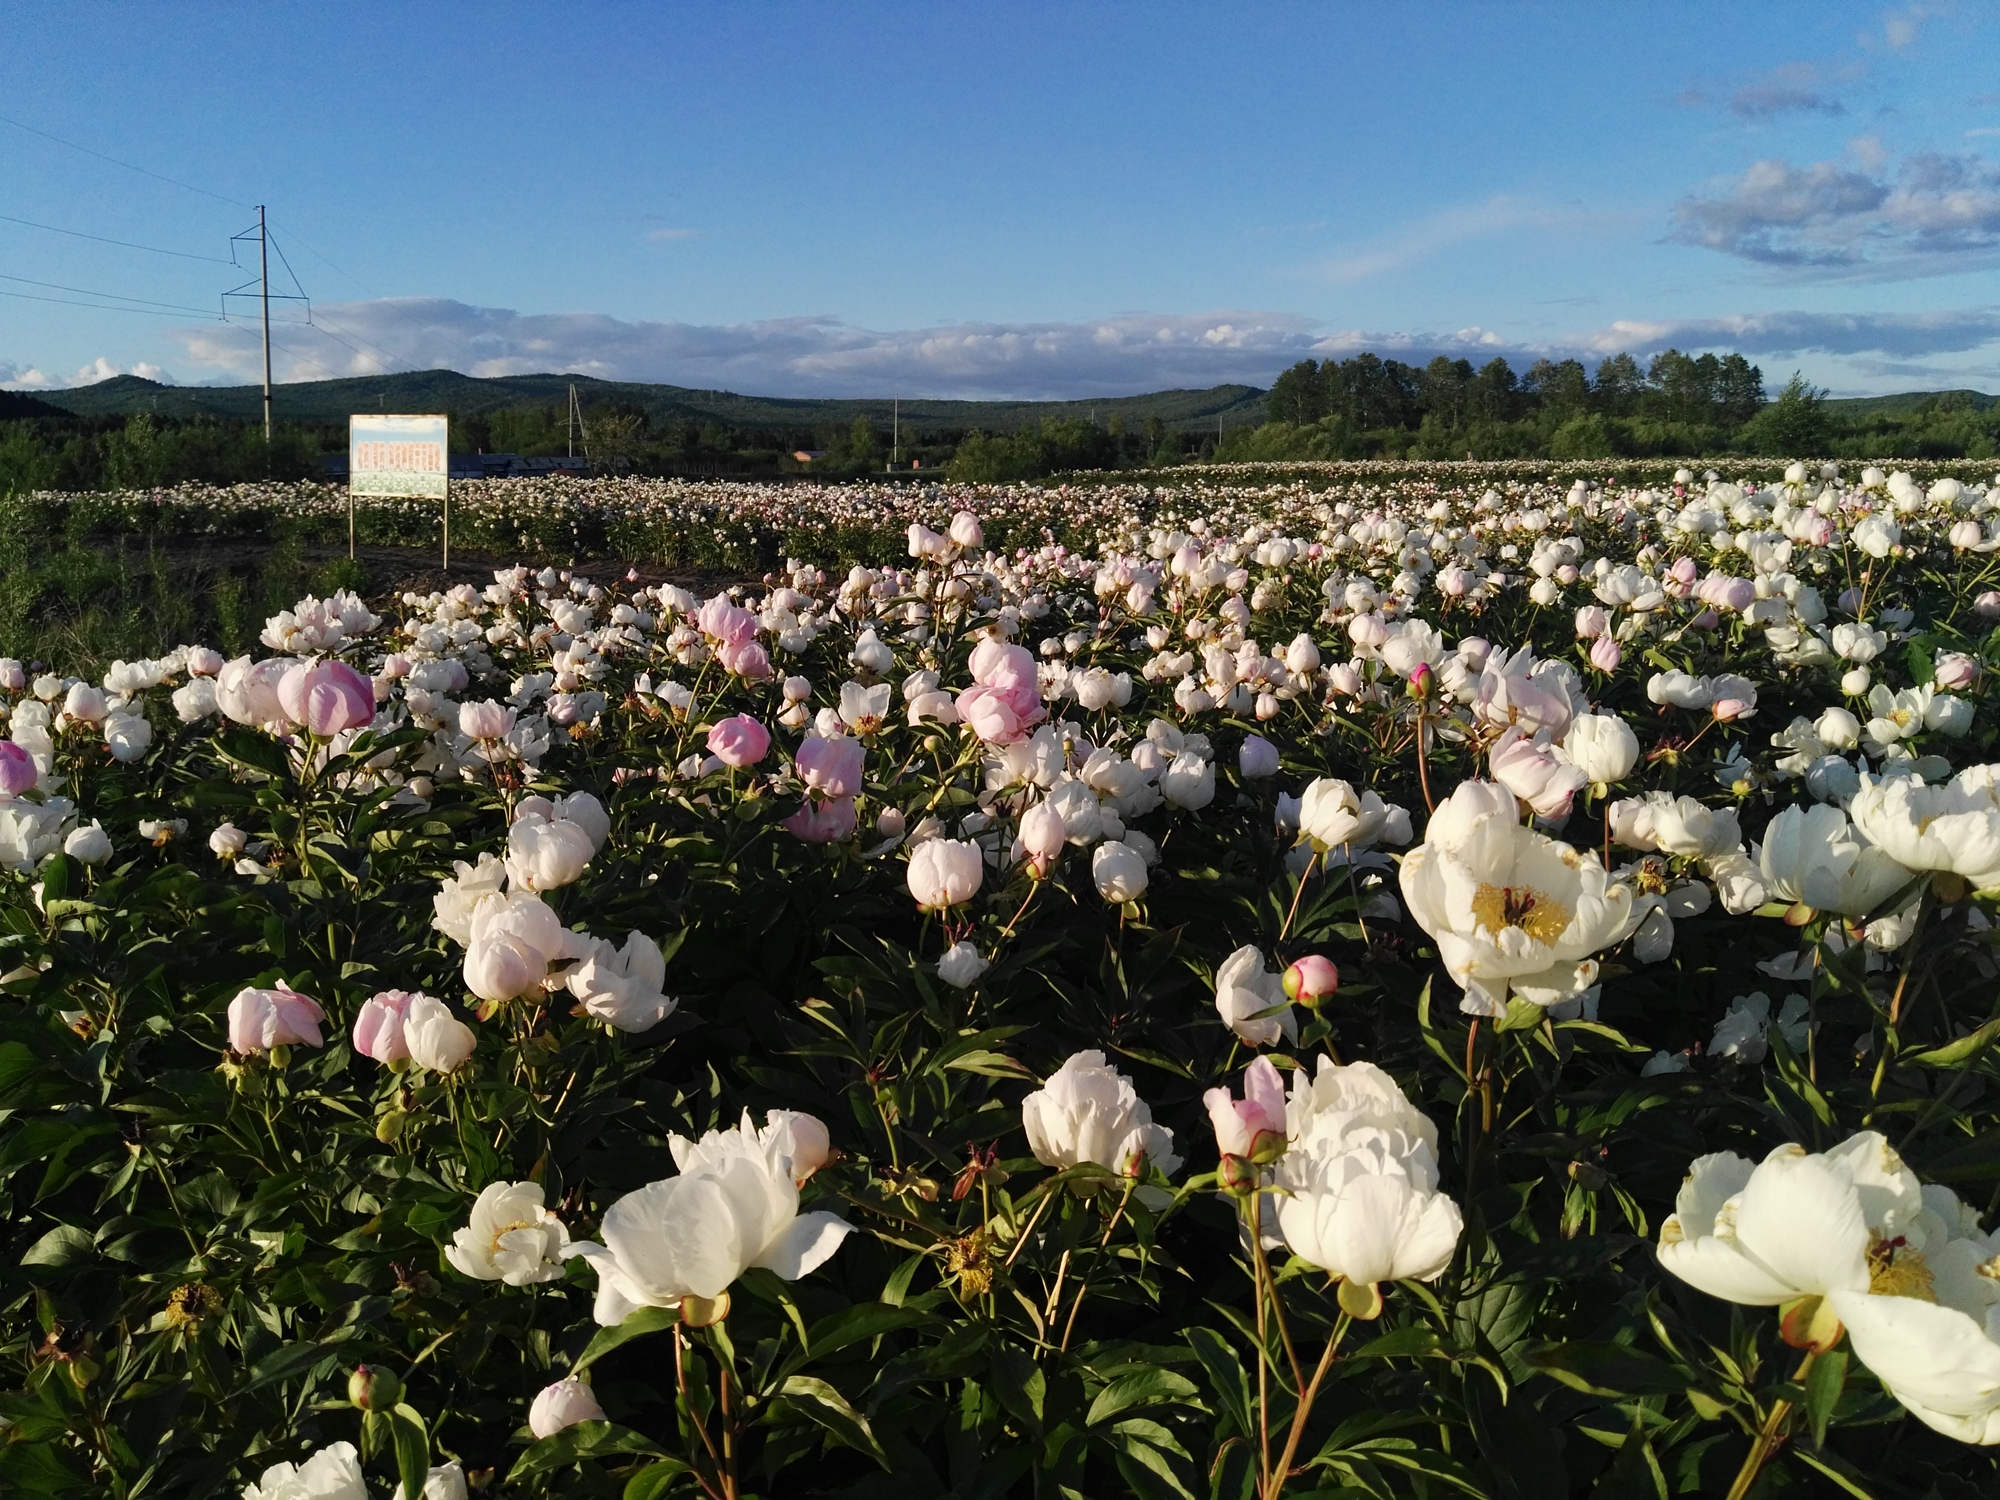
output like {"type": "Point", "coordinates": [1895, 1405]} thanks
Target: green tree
{"type": "Point", "coordinates": [1297, 397]}
{"type": "Point", "coordinates": [1617, 386]}
{"type": "Point", "coordinates": [1796, 425]}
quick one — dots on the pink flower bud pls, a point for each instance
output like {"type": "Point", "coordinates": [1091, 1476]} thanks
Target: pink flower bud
{"type": "Point", "coordinates": [1604, 654]}
{"type": "Point", "coordinates": [1311, 979]}
{"type": "Point", "coordinates": [1253, 1127]}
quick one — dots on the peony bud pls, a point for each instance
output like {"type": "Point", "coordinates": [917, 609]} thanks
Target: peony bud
{"type": "Point", "coordinates": [1311, 979]}
{"type": "Point", "coordinates": [373, 1389]}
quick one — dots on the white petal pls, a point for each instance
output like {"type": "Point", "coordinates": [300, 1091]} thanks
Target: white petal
{"type": "Point", "coordinates": [804, 1245]}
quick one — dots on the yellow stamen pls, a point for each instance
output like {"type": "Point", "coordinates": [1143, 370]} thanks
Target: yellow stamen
{"type": "Point", "coordinates": [1896, 1269]}
{"type": "Point", "coordinates": [1498, 907]}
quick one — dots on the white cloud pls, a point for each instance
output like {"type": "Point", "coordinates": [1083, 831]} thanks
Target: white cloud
{"type": "Point", "coordinates": [1433, 232]}
{"type": "Point", "coordinates": [1118, 355]}
{"type": "Point", "coordinates": [1935, 212]}
{"type": "Point", "coordinates": [31, 378]}
{"type": "Point", "coordinates": [1900, 28]}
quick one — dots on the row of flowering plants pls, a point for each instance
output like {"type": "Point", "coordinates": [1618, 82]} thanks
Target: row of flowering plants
{"type": "Point", "coordinates": [1406, 988]}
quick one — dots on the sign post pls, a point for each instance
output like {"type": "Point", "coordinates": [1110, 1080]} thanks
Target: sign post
{"type": "Point", "coordinates": [400, 456]}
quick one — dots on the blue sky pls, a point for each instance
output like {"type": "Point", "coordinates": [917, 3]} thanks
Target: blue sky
{"type": "Point", "coordinates": [1004, 200]}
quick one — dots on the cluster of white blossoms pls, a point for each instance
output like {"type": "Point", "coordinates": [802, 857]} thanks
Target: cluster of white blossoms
{"type": "Point", "coordinates": [1849, 1241]}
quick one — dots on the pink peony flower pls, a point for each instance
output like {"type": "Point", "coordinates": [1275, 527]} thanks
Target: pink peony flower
{"type": "Point", "coordinates": [739, 741]}
{"type": "Point", "coordinates": [326, 696]}
{"type": "Point", "coordinates": [378, 1026]}
{"type": "Point", "coordinates": [1253, 1126]}
{"type": "Point", "coordinates": [262, 1019]}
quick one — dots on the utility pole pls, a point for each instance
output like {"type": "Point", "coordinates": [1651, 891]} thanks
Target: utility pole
{"type": "Point", "coordinates": [895, 431]}
{"type": "Point", "coordinates": [264, 274]}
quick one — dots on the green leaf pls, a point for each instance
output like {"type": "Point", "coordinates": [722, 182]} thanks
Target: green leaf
{"type": "Point", "coordinates": [1824, 1383]}
{"type": "Point", "coordinates": [1226, 1375]}
{"type": "Point", "coordinates": [655, 1480]}
{"type": "Point", "coordinates": [413, 1450]}
{"type": "Point", "coordinates": [256, 751]}
{"type": "Point", "coordinates": [1136, 1389]}
{"type": "Point", "coordinates": [1957, 1053]}
{"type": "Point", "coordinates": [852, 1325]}
{"type": "Point", "coordinates": [820, 1402]}
{"type": "Point", "coordinates": [64, 1245]}
{"type": "Point", "coordinates": [636, 1325]}
{"type": "Point", "coordinates": [579, 1441]}
{"type": "Point", "coordinates": [1607, 1369]}
{"type": "Point", "coordinates": [1412, 1342]}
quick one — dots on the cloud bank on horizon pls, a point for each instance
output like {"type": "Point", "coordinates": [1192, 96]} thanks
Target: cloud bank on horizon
{"type": "Point", "coordinates": [824, 356]}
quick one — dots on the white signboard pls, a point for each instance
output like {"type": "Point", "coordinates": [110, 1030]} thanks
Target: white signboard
{"type": "Point", "coordinates": [398, 456]}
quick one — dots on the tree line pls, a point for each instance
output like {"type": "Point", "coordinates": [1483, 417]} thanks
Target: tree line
{"type": "Point", "coordinates": [1366, 406]}
{"type": "Point", "coordinates": [1678, 405]}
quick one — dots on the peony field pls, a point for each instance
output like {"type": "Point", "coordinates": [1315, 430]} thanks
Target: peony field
{"type": "Point", "coordinates": [1334, 980]}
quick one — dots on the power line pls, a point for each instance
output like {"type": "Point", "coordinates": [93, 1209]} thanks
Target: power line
{"type": "Point", "coordinates": [334, 330]}
{"type": "Point", "coordinates": [110, 307]}
{"type": "Point", "coordinates": [352, 279]}
{"type": "Point", "coordinates": [297, 285]}
{"type": "Point", "coordinates": [84, 291]}
{"type": "Point", "coordinates": [128, 166]}
{"type": "Point", "coordinates": [125, 244]}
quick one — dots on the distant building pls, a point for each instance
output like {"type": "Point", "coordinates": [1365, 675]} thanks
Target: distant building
{"type": "Point", "coordinates": [807, 455]}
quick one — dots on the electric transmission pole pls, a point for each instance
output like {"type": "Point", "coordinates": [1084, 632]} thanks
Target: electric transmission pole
{"type": "Point", "coordinates": [264, 274]}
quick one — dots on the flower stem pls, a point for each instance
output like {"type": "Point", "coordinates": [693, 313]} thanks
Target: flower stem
{"type": "Point", "coordinates": [1769, 1436]}
{"type": "Point", "coordinates": [1275, 1480]}
{"type": "Point", "coordinates": [1304, 875]}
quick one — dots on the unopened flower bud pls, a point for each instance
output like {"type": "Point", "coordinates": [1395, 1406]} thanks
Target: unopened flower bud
{"type": "Point", "coordinates": [1311, 979]}
{"type": "Point", "coordinates": [372, 1389]}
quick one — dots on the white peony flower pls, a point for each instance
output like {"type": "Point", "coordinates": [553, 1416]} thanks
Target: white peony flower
{"type": "Point", "coordinates": [511, 1238]}
{"type": "Point", "coordinates": [1089, 1112]}
{"type": "Point", "coordinates": [624, 987]}
{"type": "Point", "coordinates": [1251, 1000]}
{"type": "Point", "coordinates": [1508, 907]}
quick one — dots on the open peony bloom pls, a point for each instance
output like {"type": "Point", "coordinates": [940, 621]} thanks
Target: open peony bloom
{"type": "Point", "coordinates": [1510, 908]}
{"type": "Point", "coordinates": [1812, 856]}
{"type": "Point", "coordinates": [791, 1137]}
{"type": "Point", "coordinates": [624, 987]}
{"type": "Point", "coordinates": [1954, 827]}
{"type": "Point", "coordinates": [262, 1019]}
{"type": "Point", "coordinates": [1849, 1239]}
{"type": "Point", "coordinates": [511, 1238]}
{"type": "Point", "coordinates": [735, 1205]}
{"type": "Point", "coordinates": [1251, 1000]}
{"type": "Point", "coordinates": [546, 853]}
{"type": "Point", "coordinates": [326, 696]}
{"type": "Point", "coordinates": [1089, 1112]}
{"type": "Point", "coordinates": [1332, 815]}
{"type": "Point", "coordinates": [458, 895]}
{"type": "Point", "coordinates": [1357, 1192]}
{"type": "Point", "coordinates": [333, 1473]}
{"type": "Point", "coordinates": [1005, 699]}
{"type": "Point", "coordinates": [510, 943]}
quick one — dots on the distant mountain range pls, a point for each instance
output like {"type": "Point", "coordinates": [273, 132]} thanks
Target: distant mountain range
{"type": "Point", "coordinates": [469, 396]}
